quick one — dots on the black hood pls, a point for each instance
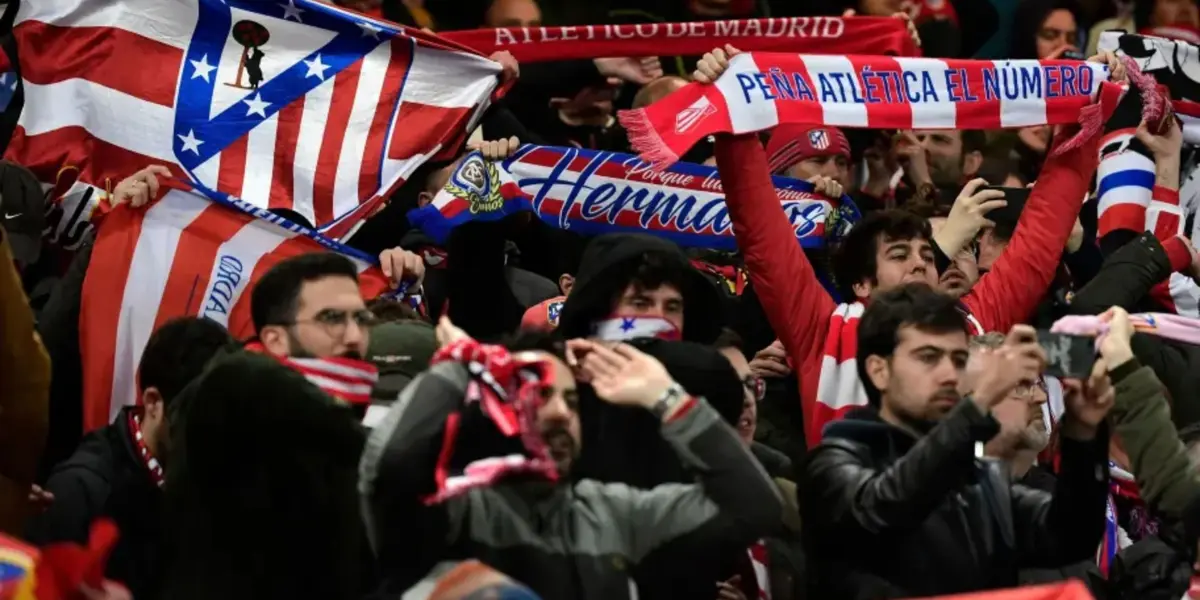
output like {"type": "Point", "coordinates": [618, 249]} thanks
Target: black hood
{"type": "Point", "coordinates": [606, 266]}
{"type": "Point", "coordinates": [1028, 21]}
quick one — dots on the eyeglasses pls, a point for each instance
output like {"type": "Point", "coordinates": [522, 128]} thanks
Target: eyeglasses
{"type": "Point", "coordinates": [334, 321]}
{"type": "Point", "coordinates": [756, 386]}
{"type": "Point", "coordinates": [1025, 391]}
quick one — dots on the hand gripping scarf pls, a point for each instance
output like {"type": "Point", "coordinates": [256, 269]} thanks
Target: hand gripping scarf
{"type": "Point", "coordinates": [592, 192]}
{"type": "Point", "coordinates": [1168, 326]}
{"type": "Point", "coordinates": [495, 434]}
{"type": "Point", "coordinates": [760, 91]}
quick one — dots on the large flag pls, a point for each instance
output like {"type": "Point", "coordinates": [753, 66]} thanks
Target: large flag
{"type": "Point", "coordinates": [185, 255]}
{"type": "Point", "coordinates": [288, 104]}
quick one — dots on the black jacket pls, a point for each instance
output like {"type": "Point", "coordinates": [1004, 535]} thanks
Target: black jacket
{"type": "Point", "coordinates": [572, 540]}
{"type": "Point", "coordinates": [1125, 280]}
{"type": "Point", "coordinates": [889, 516]}
{"type": "Point", "coordinates": [106, 478]}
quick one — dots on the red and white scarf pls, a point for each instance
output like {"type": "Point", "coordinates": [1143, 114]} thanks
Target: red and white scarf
{"type": "Point", "coordinates": [143, 450]}
{"type": "Point", "coordinates": [508, 393]}
{"type": "Point", "coordinates": [761, 565]}
{"type": "Point", "coordinates": [761, 90]}
{"type": "Point", "coordinates": [839, 388]}
{"type": "Point", "coordinates": [346, 379]}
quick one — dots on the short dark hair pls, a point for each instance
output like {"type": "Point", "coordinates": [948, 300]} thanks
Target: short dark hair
{"type": "Point", "coordinates": [995, 169]}
{"type": "Point", "coordinates": [728, 338]}
{"type": "Point", "coordinates": [929, 210]}
{"type": "Point", "coordinates": [652, 270]}
{"type": "Point", "coordinates": [388, 310]}
{"type": "Point", "coordinates": [973, 140]}
{"type": "Point", "coordinates": [854, 260]}
{"type": "Point", "coordinates": [276, 296]}
{"type": "Point", "coordinates": [525, 340]}
{"type": "Point", "coordinates": [177, 353]}
{"type": "Point", "coordinates": [910, 305]}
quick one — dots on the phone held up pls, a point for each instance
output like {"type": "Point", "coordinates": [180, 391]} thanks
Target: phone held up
{"type": "Point", "coordinates": [1068, 356]}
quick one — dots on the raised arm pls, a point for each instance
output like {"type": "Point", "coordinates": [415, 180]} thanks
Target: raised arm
{"type": "Point", "coordinates": [794, 301]}
{"type": "Point", "coordinates": [397, 470]}
{"type": "Point", "coordinates": [735, 499]}
{"type": "Point", "coordinates": [848, 497]}
{"type": "Point", "coordinates": [1010, 292]}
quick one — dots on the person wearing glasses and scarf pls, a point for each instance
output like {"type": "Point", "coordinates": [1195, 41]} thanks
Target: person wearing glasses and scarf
{"type": "Point", "coordinates": [779, 558]}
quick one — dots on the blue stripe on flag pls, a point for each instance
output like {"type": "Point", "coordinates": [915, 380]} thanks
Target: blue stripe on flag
{"type": "Point", "coordinates": [1134, 178]}
{"type": "Point", "coordinates": [213, 29]}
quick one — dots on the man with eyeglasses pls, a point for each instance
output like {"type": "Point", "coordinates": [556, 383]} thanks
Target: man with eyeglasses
{"type": "Point", "coordinates": [309, 306]}
{"type": "Point", "coordinates": [1023, 431]}
{"type": "Point", "coordinates": [782, 551]}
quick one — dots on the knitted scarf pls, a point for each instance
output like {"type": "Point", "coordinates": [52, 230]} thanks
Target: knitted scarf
{"type": "Point", "coordinates": [501, 406]}
{"type": "Point", "coordinates": [1171, 327]}
{"type": "Point", "coordinates": [593, 192]}
{"type": "Point", "coordinates": [760, 91]}
{"type": "Point", "coordinates": [345, 379]}
{"type": "Point", "coordinates": [812, 35]}
{"type": "Point", "coordinates": [1174, 64]}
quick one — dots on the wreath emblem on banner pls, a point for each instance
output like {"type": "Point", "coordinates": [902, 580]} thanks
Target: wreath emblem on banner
{"type": "Point", "coordinates": [478, 182]}
{"type": "Point", "coordinates": [839, 220]}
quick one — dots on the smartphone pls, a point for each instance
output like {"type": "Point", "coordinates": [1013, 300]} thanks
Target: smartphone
{"type": "Point", "coordinates": [1070, 356]}
{"type": "Point", "coordinates": [1016, 198]}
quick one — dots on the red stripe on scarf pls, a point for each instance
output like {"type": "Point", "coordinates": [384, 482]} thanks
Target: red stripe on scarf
{"type": "Point", "coordinates": [762, 90]}
{"type": "Point", "coordinates": [346, 379]}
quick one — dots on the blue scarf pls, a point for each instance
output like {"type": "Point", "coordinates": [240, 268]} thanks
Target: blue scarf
{"type": "Point", "coordinates": [593, 192]}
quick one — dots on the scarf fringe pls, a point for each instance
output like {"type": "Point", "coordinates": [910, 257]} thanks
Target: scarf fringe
{"type": "Point", "coordinates": [1093, 117]}
{"type": "Point", "coordinates": [644, 137]}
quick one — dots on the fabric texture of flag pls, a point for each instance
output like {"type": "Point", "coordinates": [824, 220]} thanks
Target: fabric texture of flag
{"type": "Point", "coordinates": [184, 255]}
{"type": "Point", "coordinates": [295, 104]}
{"type": "Point", "coordinates": [762, 90]}
{"type": "Point", "coordinates": [593, 192]}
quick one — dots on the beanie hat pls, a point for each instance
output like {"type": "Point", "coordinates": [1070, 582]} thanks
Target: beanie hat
{"type": "Point", "coordinates": [790, 144]}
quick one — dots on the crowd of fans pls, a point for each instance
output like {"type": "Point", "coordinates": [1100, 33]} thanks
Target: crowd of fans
{"type": "Point", "coordinates": [717, 452]}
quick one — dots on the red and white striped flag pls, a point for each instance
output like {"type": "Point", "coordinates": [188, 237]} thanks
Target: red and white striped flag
{"type": "Point", "coordinates": [293, 104]}
{"type": "Point", "coordinates": [184, 255]}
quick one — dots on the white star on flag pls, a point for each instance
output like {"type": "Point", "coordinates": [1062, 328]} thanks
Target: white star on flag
{"type": "Point", "coordinates": [291, 10]}
{"type": "Point", "coordinates": [257, 106]}
{"type": "Point", "coordinates": [190, 143]}
{"type": "Point", "coordinates": [316, 68]}
{"type": "Point", "coordinates": [202, 68]}
{"type": "Point", "coordinates": [369, 30]}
